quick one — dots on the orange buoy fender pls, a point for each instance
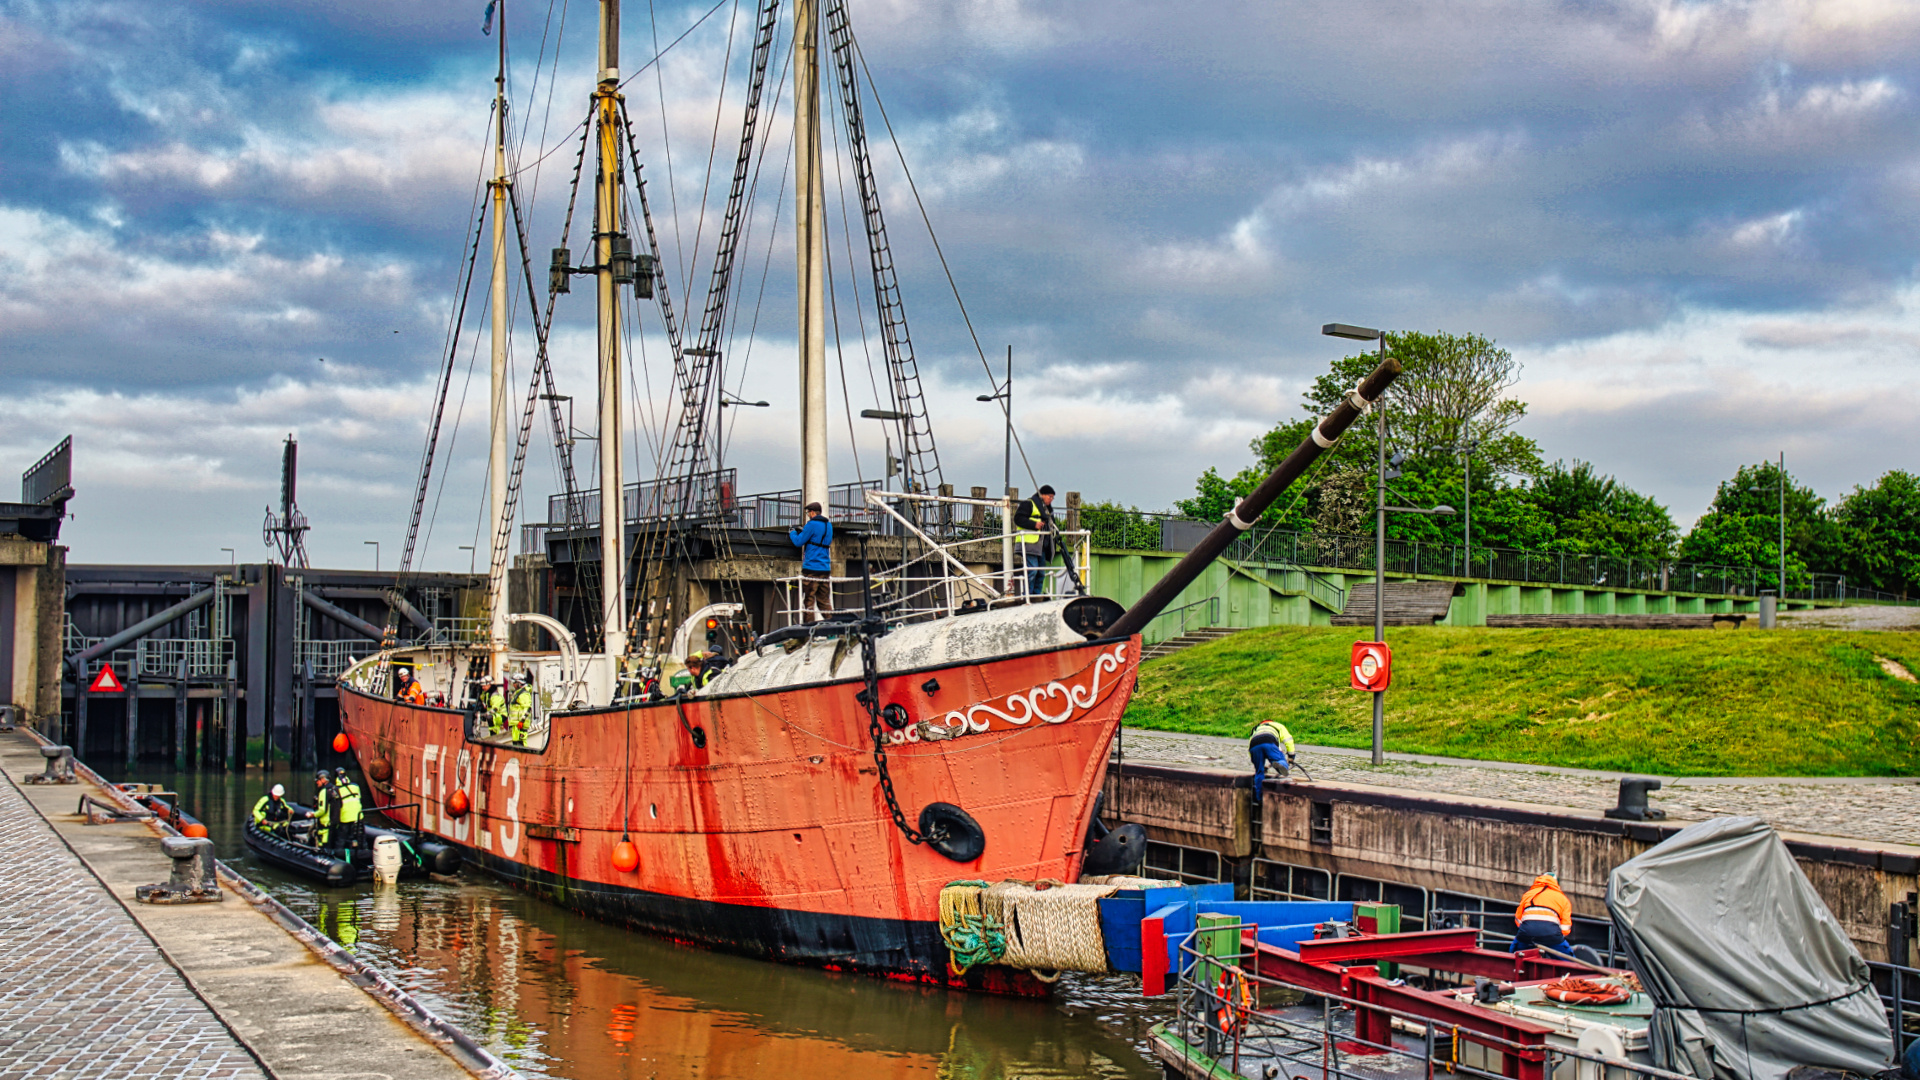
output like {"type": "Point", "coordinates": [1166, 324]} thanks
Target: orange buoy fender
{"type": "Point", "coordinates": [380, 770]}
{"type": "Point", "coordinates": [340, 743]}
{"type": "Point", "coordinates": [193, 828]}
{"type": "Point", "coordinates": [457, 804]}
{"type": "Point", "coordinates": [626, 857]}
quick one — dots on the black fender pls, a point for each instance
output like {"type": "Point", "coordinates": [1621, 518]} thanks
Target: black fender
{"type": "Point", "coordinates": [952, 832]}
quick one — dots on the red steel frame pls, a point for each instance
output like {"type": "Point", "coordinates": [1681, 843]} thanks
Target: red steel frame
{"type": "Point", "coordinates": [1346, 967]}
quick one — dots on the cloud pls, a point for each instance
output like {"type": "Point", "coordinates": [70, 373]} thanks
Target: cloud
{"type": "Point", "coordinates": [1685, 217]}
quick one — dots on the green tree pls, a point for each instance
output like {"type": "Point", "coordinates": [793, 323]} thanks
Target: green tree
{"type": "Point", "coordinates": [1123, 527]}
{"type": "Point", "coordinates": [1453, 388]}
{"type": "Point", "coordinates": [1742, 527]}
{"type": "Point", "coordinates": [1878, 533]}
{"type": "Point", "coordinates": [1594, 514]}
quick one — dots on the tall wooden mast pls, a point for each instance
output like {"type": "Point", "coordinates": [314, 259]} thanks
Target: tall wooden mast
{"type": "Point", "coordinates": [606, 229]}
{"type": "Point", "coordinates": [497, 469]}
{"type": "Point", "coordinates": [810, 218]}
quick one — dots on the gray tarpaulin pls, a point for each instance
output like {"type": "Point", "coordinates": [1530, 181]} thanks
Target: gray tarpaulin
{"type": "Point", "coordinates": [1749, 972]}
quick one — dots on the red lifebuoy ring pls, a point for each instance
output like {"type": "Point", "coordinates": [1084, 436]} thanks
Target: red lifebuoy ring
{"type": "Point", "coordinates": [1575, 990]}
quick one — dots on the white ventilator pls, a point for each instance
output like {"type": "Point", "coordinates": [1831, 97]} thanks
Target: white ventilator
{"type": "Point", "coordinates": [386, 859]}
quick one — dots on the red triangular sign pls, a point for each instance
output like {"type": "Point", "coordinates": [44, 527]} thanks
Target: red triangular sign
{"type": "Point", "coordinates": [105, 683]}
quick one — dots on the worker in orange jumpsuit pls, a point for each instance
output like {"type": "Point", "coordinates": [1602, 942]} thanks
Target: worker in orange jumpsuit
{"type": "Point", "coordinates": [408, 689]}
{"type": "Point", "coordinates": [1544, 918]}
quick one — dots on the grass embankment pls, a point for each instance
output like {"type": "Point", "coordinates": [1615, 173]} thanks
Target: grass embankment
{"type": "Point", "coordinates": [1678, 702]}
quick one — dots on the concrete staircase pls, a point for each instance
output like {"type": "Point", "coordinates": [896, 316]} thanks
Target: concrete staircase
{"type": "Point", "coordinates": [1408, 603]}
{"type": "Point", "coordinates": [1187, 640]}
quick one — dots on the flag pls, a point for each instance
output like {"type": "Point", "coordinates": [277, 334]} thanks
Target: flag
{"type": "Point", "coordinates": [487, 27]}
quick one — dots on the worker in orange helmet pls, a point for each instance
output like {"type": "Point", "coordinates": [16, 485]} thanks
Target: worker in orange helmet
{"type": "Point", "coordinates": [1544, 918]}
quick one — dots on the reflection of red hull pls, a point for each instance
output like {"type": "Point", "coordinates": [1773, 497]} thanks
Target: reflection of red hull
{"type": "Point", "coordinates": [774, 839]}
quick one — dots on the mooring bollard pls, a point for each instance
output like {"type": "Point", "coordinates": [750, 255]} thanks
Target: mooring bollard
{"type": "Point", "coordinates": [59, 766]}
{"type": "Point", "coordinates": [7, 718]}
{"type": "Point", "coordinates": [194, 878]}
{"type": "Point", "coordinates": [1633, 800]}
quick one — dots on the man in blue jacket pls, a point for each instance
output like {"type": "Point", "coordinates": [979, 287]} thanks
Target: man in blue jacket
{"type": "Point", "coordinates": [815, 541]}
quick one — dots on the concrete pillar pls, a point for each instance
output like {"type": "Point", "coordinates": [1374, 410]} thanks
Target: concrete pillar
{"type": "Point", "coordinates": [1769, 609]}
{"type": "Point", "coordinates": [180, 731]}
{"type": "Point", "coordinates": [233, 741]}
{"type": "Point", "coordinates": [1070, 520]}
{"type": "Point", "coordinates": [979, 512]}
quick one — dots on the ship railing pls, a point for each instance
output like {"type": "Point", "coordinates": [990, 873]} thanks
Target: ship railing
{"type": "Point", "coordinates": [934, 578]}
{"type": "Point", "coordinates": [1214, 1029]}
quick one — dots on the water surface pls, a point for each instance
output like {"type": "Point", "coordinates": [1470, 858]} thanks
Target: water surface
{"type": "Point", "coordinates": [560, 995]}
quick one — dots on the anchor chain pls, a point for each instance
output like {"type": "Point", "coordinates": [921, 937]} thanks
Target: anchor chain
{"type": "Point", "coordinates": [870, 667]}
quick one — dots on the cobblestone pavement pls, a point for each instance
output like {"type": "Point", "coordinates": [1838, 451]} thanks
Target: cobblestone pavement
{"type": "Point", "coordinates": [1886, 811]}
{"type": "Point", "coordinates": [1857, 617]}
{"type": "Point", "coordinates": [83, 991]}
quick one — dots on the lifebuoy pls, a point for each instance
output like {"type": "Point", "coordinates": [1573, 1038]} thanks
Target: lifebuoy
{"type": "Point", "coordinates": [1575, 990]}
{"type": "Point", "coordinates": [1232, 1013]}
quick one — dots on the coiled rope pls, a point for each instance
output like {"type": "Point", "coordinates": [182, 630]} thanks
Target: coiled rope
{"type": "Point", "coordinates": [972, 937]}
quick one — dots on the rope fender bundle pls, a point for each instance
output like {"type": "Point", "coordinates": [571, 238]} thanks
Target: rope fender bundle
{"type": "Point", "coordinates": [971, 936]}
{"type": "Point", "coordinates": [1049, 926]}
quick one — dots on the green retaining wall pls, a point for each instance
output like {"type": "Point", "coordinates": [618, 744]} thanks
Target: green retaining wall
{"type": "Point", "coordinates": [1249, 594]}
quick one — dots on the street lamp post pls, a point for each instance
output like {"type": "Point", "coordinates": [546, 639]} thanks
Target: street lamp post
{"type": "Point", "coordinates": [1362, 333]}
{"type": "Point", "coordinates": [1381, 509]}
{"type": "Point", "coordinates": [1781, 475]}
{"type": "Point", "coordinates": [1004, 395]}
{"type": "Point", "coordinates": [1780, 479]}
{"type": "Point", "coordinates": [375, 544]}
{"type": "Point", "coordinates": [1465, 450]}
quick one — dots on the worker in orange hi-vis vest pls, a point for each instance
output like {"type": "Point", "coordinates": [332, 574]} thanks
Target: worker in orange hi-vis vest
{"type": "Point", "coordinates": [1544, 918]}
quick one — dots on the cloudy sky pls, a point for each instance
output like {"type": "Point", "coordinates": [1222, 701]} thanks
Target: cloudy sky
{"type": "Point", "coordinates": [223, 222]}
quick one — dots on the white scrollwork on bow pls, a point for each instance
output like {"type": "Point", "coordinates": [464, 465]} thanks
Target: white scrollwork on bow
{"type": "Point", "coordinates": [1052, 702]}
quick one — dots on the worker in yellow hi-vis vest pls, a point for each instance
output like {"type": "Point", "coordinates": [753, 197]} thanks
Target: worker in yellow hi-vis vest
{"type": "Point", "coordinates": [1033, 531]}
{"type": "Point", "coordinates": [1270, 744]}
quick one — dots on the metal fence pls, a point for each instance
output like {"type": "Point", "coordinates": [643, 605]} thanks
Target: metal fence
{"type": "Point", "coordinates": [331, 657]}
{"type": "Point", "coordinates": [163, 657]}
{"type": "Point", "coordinates": [1148, 531]}
{"type": "Point", "coordinates": [704, 495]}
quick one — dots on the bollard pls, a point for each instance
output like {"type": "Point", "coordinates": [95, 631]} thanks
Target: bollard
{"type": "Point", "coordinates": [7, 717]}
{"type": "Point", "coordinates": [193, 880]}
{"type": "Point", "coordinates": [59, 767]}
{"type": "Point", "coordinates": [1633, 800]}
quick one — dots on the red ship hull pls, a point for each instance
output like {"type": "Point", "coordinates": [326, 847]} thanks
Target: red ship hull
{"type": "Point", "coordinates": [774, 838]}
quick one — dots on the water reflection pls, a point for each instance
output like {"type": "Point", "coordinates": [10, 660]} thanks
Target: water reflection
{"type": "Point", "coordinates": [560, 995]}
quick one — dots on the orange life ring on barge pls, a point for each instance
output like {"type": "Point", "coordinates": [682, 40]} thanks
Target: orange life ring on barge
{"type": "Point", "coordinates": [1574, 990]}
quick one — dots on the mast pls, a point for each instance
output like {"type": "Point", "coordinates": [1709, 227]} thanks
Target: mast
{"type": "Point", "coordinates": [497, 471]}
{"type": "Point", "coordinates": [810, 217]}
{"type": "Point", "coordinates": [613, 562]}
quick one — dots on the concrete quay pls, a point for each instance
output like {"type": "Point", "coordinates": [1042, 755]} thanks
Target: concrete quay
{"type": "Point", "coordinates": [1881, 810]}
{"type": "Point", "coordinates": [1459, 835]}
{"type": "Point", "coordinates": [95, 984]}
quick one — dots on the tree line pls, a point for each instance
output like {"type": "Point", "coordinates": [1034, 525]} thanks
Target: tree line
{"type": "Point", "coordinates": [1453, 407]}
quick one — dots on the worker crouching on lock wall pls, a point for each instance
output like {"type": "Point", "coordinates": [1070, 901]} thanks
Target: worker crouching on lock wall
{"type": "Point", "coordinates": [1270, 744]}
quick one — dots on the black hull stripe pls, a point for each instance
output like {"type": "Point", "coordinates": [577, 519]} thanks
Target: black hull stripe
{"type": "Point", "coordinates": [893, 948]}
